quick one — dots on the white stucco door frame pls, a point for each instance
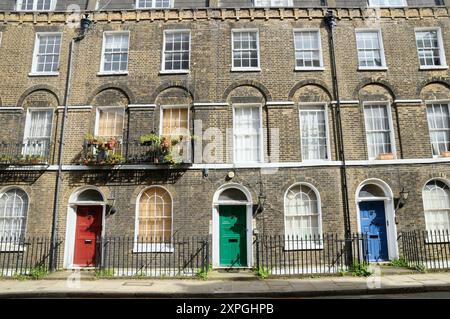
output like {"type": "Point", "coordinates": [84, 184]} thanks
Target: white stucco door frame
{"type": "Point", "coordinates": [216, 222]}
{"type": "Point", "coordinates": [71, 222]}
{"type": "Point", "coordinates": [388, 199]}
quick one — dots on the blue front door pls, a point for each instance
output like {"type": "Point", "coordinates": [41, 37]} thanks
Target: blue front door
{"type": "Point", "coordinates": [373, 225]}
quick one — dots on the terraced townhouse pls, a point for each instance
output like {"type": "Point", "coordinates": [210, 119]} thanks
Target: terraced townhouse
{"type": "Point", "coordinates": [223, 119]}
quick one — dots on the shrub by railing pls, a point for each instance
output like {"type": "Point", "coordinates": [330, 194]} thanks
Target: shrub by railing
{"type": "Point", "coordinates": [128, 257]}
{"type": "Point", "coordinates": [26, 256]}
{"type": "Point", "coordinates": [294, 255]}
{"type": "Point", "coordinates": [426, 249]}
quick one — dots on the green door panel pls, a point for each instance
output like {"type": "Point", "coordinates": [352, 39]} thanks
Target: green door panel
{"type": "Point", "coordinates": [233, 236]}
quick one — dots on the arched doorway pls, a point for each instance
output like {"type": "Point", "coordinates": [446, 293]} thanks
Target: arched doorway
{"type": "Point", "coordinates": [232, 227]}
{"type": "Point", "coordinates": [375, 213]}
{"type": "Point", "coordinates": [85, 218]}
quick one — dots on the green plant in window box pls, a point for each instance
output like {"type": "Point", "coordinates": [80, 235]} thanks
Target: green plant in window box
{"type": "Point", "coordinates": [114, 159]}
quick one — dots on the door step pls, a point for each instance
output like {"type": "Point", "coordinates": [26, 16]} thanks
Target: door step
{"type": "Point", "coordinates": [232, 274]}
{"type": "Point", "coordinates": [76, 274]}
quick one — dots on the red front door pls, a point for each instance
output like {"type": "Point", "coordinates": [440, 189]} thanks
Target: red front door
{"type": "Point", "coordinates": [89, 227]}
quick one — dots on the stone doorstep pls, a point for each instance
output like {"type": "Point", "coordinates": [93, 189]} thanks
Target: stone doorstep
{"type": "Point", "coordinates": [232, 275]}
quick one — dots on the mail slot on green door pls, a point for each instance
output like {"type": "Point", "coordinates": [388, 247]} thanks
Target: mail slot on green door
{"type": "Point", "coordinates": [233, 243]}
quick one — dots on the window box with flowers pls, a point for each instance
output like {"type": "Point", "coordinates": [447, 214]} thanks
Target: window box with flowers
{"type": "Point", "coordinates": [165, 150]}
{"type": "Point", "coordinates": [100, 151]}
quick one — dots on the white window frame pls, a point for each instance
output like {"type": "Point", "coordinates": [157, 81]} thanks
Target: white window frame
{"type": "Point", "coordinates": [10, 246]}
{"type": "Point", "coordinates": [245, 69]}
{"type": "Point", "coordinates": [257, 5]}
{"type": "Point", "coordinates": [153, 5]}
{"type": "Point", "coordinates": [19, 6]}
{"type": "Point", "coordinates": [383, 66]}
{"type": "Point", "coordinates": [428, 103]}
{"type": "Point", "coordinates": [174, 106]}
{"type": "Point", "coordinates": [431, 238]}
{"type": "Point", "coordinates": [309, 68]}
{"type": "Point", "coordinates": [28, 123]}
{"type": "Point", "coordinates": [163, 57]}
{"type": "Point", "coordinates": [155, 247]}
{"type": "Point", "coordinates": [261, 133]}
{"type": "Point", "coordinates": [371, 5]}
{"type": "Point", "coordinates": [444, 64]}
{"type": "Point", "coordinates": [308, 245]}
{"type": "Point", "coordinates": [391, 127]}
{"type": "Point", "coordinates": [97, 117]}
{"type": "Point", "coordinates": [303, 107]}
{"type": "Point", "coordinates": [102, 60]}
{"type": "Point", "coordinates": [34, 71]}
{"type": "Point", "coordinates": [1, 37]}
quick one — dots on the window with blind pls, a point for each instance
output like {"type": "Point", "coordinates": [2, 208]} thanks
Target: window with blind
{"type": "Point", "coordinates": [370, 49]}
{"type": "Point", "coordinates": [46, 55]}
{"type": "Point", "coordinates": [147, 4]}
{"type": "Point", "coordinates": [273, 3]}
{"type": "Point", "coordinates": [245, 47]}
{"type": "Point", "coordinates": [115, 52]}
{"type": "Point", "coordinates": [38, 130]}
{"type": "Point", "coordinates": [36, 5]}
{"type": "Point", "coordinates": [247, 134]}
{"type": "Point", "coordinates": [430, 48]}
{"type": "Point", "coordinates": [378, 130]}
{"type": "Point", "coordinates": [308, 50]}
{"type": "Point", "coordinates": [110, 122]}
{"type": "Point", "coordinates": [439, 126]}
{"type": "Point", "coordinates": [302, 217]}
{"type": "Point", "coordinates": [13, 213]}
{"type": "Point", "coordinates": [155, 216]}
{"type": "Point", "coordinates": [387, 3]}
{"type": "Point", "coordinates": [436, 203]}
{"type": "Point", "coordinates": [314, 135]}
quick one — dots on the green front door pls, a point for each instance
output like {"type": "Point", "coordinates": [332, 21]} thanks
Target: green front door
{"type": "Point", "coordinates": [233, 230]}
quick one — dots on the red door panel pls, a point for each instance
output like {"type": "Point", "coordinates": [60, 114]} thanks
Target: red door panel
{"type": "Point", "coordinates": [88, 228]}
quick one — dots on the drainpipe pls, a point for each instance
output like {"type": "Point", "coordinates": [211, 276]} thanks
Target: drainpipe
{"type": "Point", "coordinates": [85, 23]}
{"type": "Point", "coordinates": [330, 21]}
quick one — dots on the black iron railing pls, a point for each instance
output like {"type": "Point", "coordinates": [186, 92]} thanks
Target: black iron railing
{"type": "Point", "coordinates": [30, 152]}
{"type": "Point", "coordinates": [317, 254]}
{"type": "Point", "coordinates": [134, 153]}
{"type": "Point", "coordinates": [426, 249]}
{"type": "Point", "coordinates": [128, 257]}
{"type": "Point", "coordinates": [26, 256]}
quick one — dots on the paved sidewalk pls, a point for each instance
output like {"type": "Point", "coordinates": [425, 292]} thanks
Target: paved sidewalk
{"type": "Point", "coordinates": [166, 288]}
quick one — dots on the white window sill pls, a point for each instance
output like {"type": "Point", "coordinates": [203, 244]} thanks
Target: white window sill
{"type": "Point", "coordinates": [432, 68]}
{"type": "Point", "coordinates": [310, 69]}
{"type": "Point", "coordinates": [382, 68]}
{"type": "Point", "coordinates": [246, 70]}
{"type": "Point", "coordinates": [174, 72]}
{"type": "Point", "coordinates": [43, 74]}
{"type": "Point", "coordinates": [153, 248]}
{"type": "Point", "coordinates": [310, 161]}
{"type": "Point", "coordinates": [112, 73]}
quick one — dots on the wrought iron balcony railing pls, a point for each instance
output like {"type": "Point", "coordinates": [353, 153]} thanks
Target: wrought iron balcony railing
{"type": "Point", "coordinates": [29, 152]}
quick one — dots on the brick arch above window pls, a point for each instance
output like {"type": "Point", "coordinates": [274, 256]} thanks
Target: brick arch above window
{"type": "Point", "coordinates": [434, 89]}
{"type": "Point", "coordinates": [260, 87]}
{"type": "Point", "coordinates": [174, 95]}
{"type": "Point", "coordinates": [171, 85]}
{"type": "Point", "coordinates": [375, 91]}
{"type": "Point", "coordinates": [119, 89]}
{"type": "Point", "coordinates": [319, 85]}
{"type": "Point", "coordinates": [40, 95]}
{"type": "Point", "coordinates": [377, 82]}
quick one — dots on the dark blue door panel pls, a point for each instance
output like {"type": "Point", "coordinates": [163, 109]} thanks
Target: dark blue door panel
{"type": "Point", "coordinates": [373, 224]}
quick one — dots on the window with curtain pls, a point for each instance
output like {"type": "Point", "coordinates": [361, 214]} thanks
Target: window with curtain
{"type": "Point", "coordinates": [387, 3]}
{"type": "Point", "coordinates": [13, 213]}
{"type": "Point", "coordinates": [38, 130]}
{"type": "Point", "coordinates": [302, 216]}
{"type": "Point", "coordinates": [313, 126]}
{"type": "Point", "coordinates": [429, 48]}
{"type": "Point", "coordinates": [115, 52]}
{"type": "Point", "coordinates": [36, 5]}
{"type": "Point", "coordinates": [370, 49]}
{"type": "Point", "coordinates": [155, 216]}
{"type": "Point", "coordinates": [378, 130]}
{"type": "Point", "coordinates": [436, 203]}
{"type": "Point", "coordinates": [247, 134]}
{"type": "Point", "coordinates": [110, 122]}
{"type": "Point", "coordinates": [147, 4]}
{"type": "Point", "coordinates": [307, 49]}
{"type": "Point", "coordinates": [47, 53]}
{"type": "Point", "coordinates": [439, 126]}
{"type": "Point", "coordinates": [273, 3]}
